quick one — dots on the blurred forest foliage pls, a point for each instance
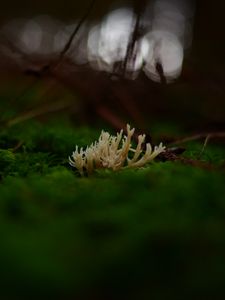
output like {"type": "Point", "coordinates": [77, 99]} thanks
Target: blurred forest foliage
{"type": "Point", "coordinates": [197, 96]}
{"type": "Point", "coordinates": [208, 27]}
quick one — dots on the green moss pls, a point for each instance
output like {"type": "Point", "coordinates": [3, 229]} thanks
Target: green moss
{"type": "Point", "coordinates": [7, 158]}
{"type": "Point", "coordinates": [156, 231]}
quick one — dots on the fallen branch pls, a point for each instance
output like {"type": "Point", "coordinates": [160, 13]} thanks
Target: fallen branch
{"type": "Point", "coordinates": [169, 155]}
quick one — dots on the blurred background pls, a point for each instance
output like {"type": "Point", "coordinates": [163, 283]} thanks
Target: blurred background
{"type": "Point", "coordinates": [192, 57]}
{"type": "Point", "coordinates": [208, 24]}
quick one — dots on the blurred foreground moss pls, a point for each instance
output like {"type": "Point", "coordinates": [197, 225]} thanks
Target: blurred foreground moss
{"type": "Point", "coordinates": [156, 232]}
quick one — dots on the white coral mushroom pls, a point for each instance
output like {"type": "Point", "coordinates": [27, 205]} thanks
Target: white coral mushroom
{"type": "Point", "coordinates": [112, 152]}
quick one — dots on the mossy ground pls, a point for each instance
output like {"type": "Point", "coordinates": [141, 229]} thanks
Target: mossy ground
{"type": "Point", "coordinates": [154, 232]}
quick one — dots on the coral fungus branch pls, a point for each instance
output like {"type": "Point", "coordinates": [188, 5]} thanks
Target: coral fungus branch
{"type": "Point", "coordinates": [113, 152]}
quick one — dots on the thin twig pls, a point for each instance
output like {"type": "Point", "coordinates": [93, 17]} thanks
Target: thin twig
{"type": "Point", "coordinates": [130, 54]}
{"type": "Point", "coordinates": [45, 70]}
{"type": "Point", "coordinates": [170, 156]}
{"type": "Point", "coordinates": [160, 71]}
{"type": "Point", "coordinates": [105, 113]}
{"type": "Point", "coordinates": [77, 28]}
{"type": "Point", "coordinates": [52, 107]}
{"type": "Point", "coordinates": [12, 47]}
{"type": "Point", "coordinates": [204, 146]}
{"type": "Point", "coordinates": [198, 137]}
{"type": "Point", "coordinates": [194, 162]}
{"type": "Point", "coordinates": [18, 145]}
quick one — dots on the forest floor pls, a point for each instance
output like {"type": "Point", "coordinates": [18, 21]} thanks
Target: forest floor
{"type": "Point", "coordinates": [115, 232]}
{"type": "Point", "coordinates": [156, 231]}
